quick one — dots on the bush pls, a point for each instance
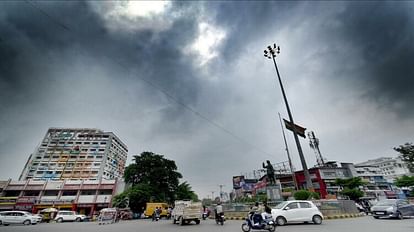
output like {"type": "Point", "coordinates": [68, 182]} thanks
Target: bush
{"type": "Point", "coordinates": [305, 195]}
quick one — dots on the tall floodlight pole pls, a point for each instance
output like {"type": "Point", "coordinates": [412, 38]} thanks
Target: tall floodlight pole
{"type": "Point", "coordinates": [271, 54]}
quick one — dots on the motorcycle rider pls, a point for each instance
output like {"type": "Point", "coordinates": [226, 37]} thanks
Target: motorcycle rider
{"type": "Point", "coordinates": [219, 210]}
{"type": "Point", "coordinates": [255, 214]}
{"type": "Point", "coordinates": [267, 211]}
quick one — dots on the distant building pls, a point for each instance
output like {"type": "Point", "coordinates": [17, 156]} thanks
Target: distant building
{"type": "Point", "coordinates": [390, 167]}
{"type": "Point", "coordinates": [370, 174]}
{"type": "Point", "coordinates": [77, 154]}
{"type": "Point", "coordinates": [323, 178]}
{"type": "Point", "coordinates": [84, 196]}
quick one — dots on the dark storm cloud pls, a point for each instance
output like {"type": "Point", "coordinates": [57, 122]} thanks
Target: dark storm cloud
{"type": "Point", "coordinates": [383, 35]}
{"type": "Point", "coordinates": [248, 21]}
{"type": "Point", "coordinates": [40, 32]}
{"type": "Point", "coordinates": [380, 33]}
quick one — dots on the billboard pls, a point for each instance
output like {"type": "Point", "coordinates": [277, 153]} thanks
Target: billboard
{"type": "Point", "coordinates": [238, 182]}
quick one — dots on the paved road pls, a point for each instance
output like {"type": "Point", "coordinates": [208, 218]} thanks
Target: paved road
{"type": "Point", "coordinates": [361, 224]}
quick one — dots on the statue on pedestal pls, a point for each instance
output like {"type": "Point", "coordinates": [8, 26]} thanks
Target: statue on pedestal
{"type": "Point", "coordinates": [270, 171]}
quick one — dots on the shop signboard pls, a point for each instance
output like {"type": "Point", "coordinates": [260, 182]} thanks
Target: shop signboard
{"type": "Point", "coordinates": [8, 200]}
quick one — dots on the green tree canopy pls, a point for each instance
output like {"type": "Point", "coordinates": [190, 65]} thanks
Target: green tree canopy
{"type": "Point", "coordinates": [407, 154]}
{"type": "Point", "coordinates": [350, 186]}
{"type": "Point", "coordinates": [120, 200]}
{"type": "Point", "coordinates": [184, 192]}
{"type": "Point", "coordinates": [153, 178]}
{"type": "Point", "coordinates": [139, 195]}
{"type": "Point", "coordinates": [404, 181]}
{"type": "Point", "coordinates": [353, 194]}
{"type": "Point", "coordinates": [350, 183]}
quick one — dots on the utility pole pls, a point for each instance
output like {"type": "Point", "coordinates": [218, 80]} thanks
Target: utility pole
{"type": "Point", "coordinates": [271, 54]}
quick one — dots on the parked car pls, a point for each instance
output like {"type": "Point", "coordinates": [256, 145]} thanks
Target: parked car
{"type": "Point", "coordinates": [296, 211]}
{"type": "Point", "coordinates": [38, 217]}
{"type": "Point", "coordinates": [17, 217]}
{"type": "Point", "coordinates": [69, 216]}
{"type": "Point", "coordinates": [392, 208]}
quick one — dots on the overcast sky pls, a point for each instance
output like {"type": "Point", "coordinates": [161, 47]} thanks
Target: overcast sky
{"type": "Point", "coordinates": [189, 80]}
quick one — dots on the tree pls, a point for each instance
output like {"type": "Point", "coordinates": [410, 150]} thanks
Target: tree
{"type": "Point", "coordinates": [351, 186]}
{"type": "Point", "coordinates": [350, 183]}
{"type": "Point", "coordinates": [404, 181]}
{"type": "Point", "coordinates": [353, 194]}
{"type": "Point", "coordinates": [120, 200]}
{"type": "Point", "coordinates": [153, 178]}
{"type": "Point", "coordinates": [139, 195]}
{"type": "Point", "coordinates": [407, 155]}
{"type": "Point", "coordinates": [184, 192]}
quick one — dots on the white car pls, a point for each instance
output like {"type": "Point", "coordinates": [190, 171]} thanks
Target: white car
{"type": "Point", "coordinates": [69, 216]}
{"type": "Point", "coordinates": [17, 217]}
{"type": "Point", "coordinates": [296, 211]}
{"type": "Point", "coordinates": [38, 217]}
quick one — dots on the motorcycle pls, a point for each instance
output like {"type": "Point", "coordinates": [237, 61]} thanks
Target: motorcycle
{"type": "Point", "coordinates": [255, 222]}
{"type": "Point", "coordinates": [206, 214]}
{"type": "Point", "coordinates": [220, 219]}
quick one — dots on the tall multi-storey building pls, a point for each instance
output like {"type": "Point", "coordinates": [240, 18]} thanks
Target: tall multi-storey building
{"type": "Point", "coordinates": [77, 154]}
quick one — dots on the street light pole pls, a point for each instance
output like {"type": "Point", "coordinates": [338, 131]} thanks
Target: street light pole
{"type": "Point", "coordinates": [271, 54]}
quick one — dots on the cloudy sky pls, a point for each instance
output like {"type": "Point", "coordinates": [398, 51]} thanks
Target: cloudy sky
{"type": "Point", "coordinates": [188, 80]}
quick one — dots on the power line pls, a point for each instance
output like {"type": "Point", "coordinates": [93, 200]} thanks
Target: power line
{"type": "Point", "coordinates": [167, 94]}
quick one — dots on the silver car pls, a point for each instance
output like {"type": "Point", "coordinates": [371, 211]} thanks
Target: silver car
{"type": "Point", "coordinates": [392, 208]}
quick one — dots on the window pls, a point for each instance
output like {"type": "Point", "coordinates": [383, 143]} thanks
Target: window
{"type": "Point", "coordinates": [70, 193]}
{"type": "Point", "coordinates": [51, 193]}
{"type": "Point", "coordinates": [105, 192]}
{"type": "Point", "coordinates": [88, 192]}
{"type": "Point", "coordinates": [292, 205]}
{"type": "Point", "coordinates": [31, 193]}
{"type": "Point", "coordinates": [305, 205]}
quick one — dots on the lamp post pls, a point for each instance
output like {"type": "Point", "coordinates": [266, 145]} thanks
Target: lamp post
{"type": "Point", "coordinates": [270, 53]}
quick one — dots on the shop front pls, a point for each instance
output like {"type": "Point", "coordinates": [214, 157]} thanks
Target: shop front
{"type": "Point", "coordinates": [7, 203]}
{"type": "Point", "coordinates": [57, 204]}
{"type": "Point", "coordinates": [25, 203]}
{"type": "Point", "coordinates": [86, 209]}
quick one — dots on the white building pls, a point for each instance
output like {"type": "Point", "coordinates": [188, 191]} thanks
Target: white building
{"type": "Point", "coordinates": [77, 154]}
{"type": "Point", "coordinates": [390, 167]}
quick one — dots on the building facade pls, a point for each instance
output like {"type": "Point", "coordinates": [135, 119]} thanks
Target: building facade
{"type": "Point", "coordinates": [77, 154]}
{"type": "Point", "coordinates": [84, 196]}
{"type": "Point", "coordinates": [390, 167]}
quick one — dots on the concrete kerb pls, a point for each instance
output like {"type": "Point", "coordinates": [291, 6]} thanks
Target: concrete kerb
{"type": "Point", "coordinates": [341, 216]}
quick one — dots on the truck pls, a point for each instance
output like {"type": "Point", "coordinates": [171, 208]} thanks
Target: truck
{"type": "Point", "coordinates": [186, 211]}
